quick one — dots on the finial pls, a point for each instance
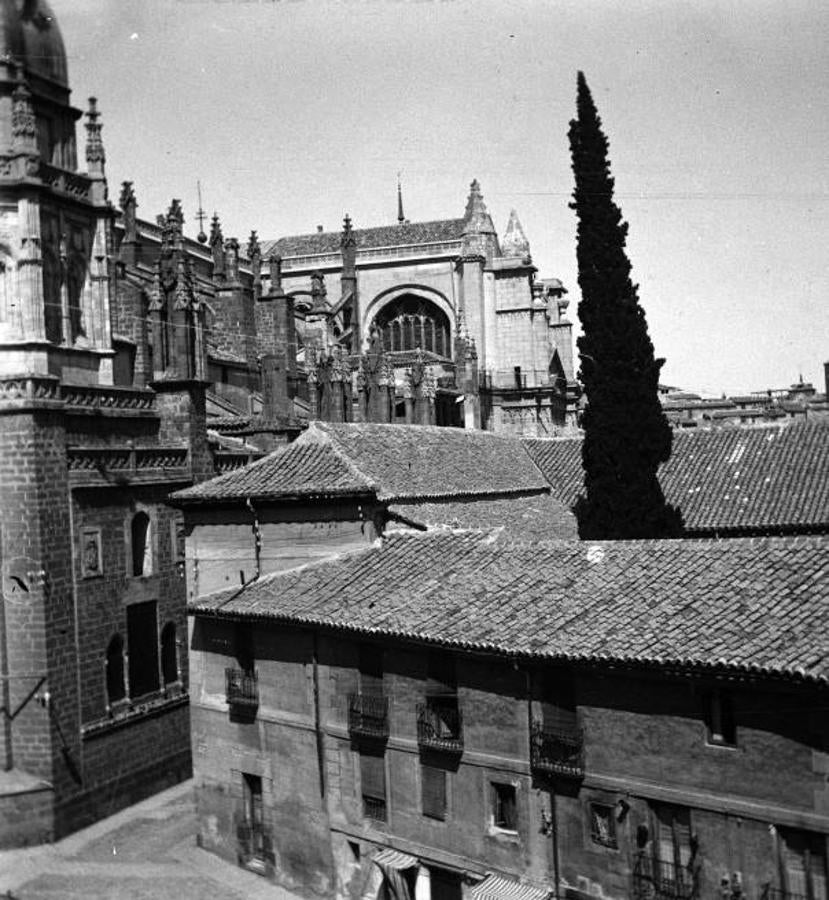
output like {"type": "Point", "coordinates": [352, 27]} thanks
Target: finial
{"type": "Point", "coordinates": [401, 219]}
{"type": "Point", "coordinates": [201, 237]}
{"type": "Point", "coordinates": [254, 250]}
{"type": "Point", "coordinates": [94, 144]}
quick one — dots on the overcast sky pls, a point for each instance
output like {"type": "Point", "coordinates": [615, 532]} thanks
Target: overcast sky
{"type": "Point", "coordinates": [294, 112]}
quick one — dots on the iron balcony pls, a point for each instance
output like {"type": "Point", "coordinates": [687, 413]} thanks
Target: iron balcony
{"type": "Point", "coordinates": [368, 716]}
{"type": "Point", "coordinates": [557, 751]}
{"type": "Point", "coordinates": [440, 726]}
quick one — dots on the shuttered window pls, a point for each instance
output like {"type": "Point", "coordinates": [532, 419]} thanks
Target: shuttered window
{"type": "Point", "coordinates": [433, 786]}
{"type": "Point", "coordinates": [373, 786]}
{"type": "Point", "coordinates": [804, 864]}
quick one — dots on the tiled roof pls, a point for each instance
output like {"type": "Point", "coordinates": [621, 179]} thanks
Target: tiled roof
{"type": "Point", "coordinates": [298, 470]}
{"type": "Point", "coordinates": [538, 517]}
{"type": "Point", "coordinates": [750, 479]}
{"type": "Point", "coordinates": [438, 231]}
{"type": "Point", "coordinates": [421, 461]}
{"type": "Point", "coordinates": [395, 461]}
{"type": "Point", "coordinates": [748, 604]}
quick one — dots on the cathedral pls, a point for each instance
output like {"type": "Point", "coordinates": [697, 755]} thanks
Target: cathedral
{"type": "Point", "coordinates": [135, 361]}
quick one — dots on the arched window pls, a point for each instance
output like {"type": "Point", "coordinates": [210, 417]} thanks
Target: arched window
{"type": "Point", "coordinates": [116, 687]}
{"type": "Point", "coordinates": [410, 322]}
{"type": "Point", "coordinates": [169, 654]}
{"type": "Point", "coordinates": [142, 562]}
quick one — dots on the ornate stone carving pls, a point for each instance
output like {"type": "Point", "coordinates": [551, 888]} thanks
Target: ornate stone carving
{"type": "Point", "coordinates": [24, 126]}
{"type": "Point", "coordinates": [94, 145]}
{"type": "Point", "coordinates": [128, 206]}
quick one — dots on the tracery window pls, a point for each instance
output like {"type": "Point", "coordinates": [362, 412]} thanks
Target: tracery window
{"type": "Point", "coordinates": [411, 322]}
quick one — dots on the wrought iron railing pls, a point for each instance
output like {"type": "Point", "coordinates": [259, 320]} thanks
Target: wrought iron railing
{"type": "Point", "coordinates": [440, 726]}
{"type": "Point", "coordinates": [242, 688]}
{"type": "Point", "coordinates": [655, 879]}
{"type": "Point", "coordinates": [557, 751]}
{"type": "Point", "coordinates": [368, 715]}
{"type": "Point", "coordinates": [374, 808]}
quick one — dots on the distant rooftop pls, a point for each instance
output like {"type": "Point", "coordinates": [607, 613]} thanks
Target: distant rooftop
{"type": "Point", "coordinates": [760, 480]}
{"type": "Point", "coordinates": [407, 233]}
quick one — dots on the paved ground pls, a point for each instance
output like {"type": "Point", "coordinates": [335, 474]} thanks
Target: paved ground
{"type": "Point", "coordinates": [147, 852]}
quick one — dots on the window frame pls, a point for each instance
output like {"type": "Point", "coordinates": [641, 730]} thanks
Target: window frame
{"type": "Point", "coordinates": [498, 821]}
{"type": "Point", "coordinates": [718, 718]}
{"type": "Point", "coordinates": [611, 842]}
{"type": "Point", "coordinates": [434, 772]}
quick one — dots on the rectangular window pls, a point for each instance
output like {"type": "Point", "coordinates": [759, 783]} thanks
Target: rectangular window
{"type": "Point", "coordinates": [252, 786]}
{"type": "Point", "coordinates": [602, 825]}
{"type": "Point", "coordinates": [504, 809]}
{"type": "Point", "coordinates": [373, 786]}
{"type": "Point", "coordinates": [433, 792]}
{"type": "Point", "coordinates": [719, 718]}
{"type": "Point", "coordinates": [142, 648]}
{"type": "Point", "coordinates": [673, 850]}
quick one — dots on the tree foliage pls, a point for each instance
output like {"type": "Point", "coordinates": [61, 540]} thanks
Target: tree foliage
{"type": "Point", "coordinates": [626, 433]}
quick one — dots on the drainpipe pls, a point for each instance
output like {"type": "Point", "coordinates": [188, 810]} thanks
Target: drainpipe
{"type": "Point", "coordinates": [318, 718]}
{"type": "Point", "coordinates": [257, 539]}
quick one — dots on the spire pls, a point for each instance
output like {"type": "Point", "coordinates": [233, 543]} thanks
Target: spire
{"type": "Point", "coordinates": [200, 217]}
{"type": "Point", "coordinates": [515, 242]}
{"type": "Point", "coordinates": [171, 232]}
{"type": "Point", "coordinates": [217, 247]}
{"type": "Point", "coordinates": [95, 155]}
{"type": "Point", "coordinates": [401, 219]}
{"type": "Point", "coordinates": [255, 257]}
{"type": "Point", "coordinates": [480, 239]}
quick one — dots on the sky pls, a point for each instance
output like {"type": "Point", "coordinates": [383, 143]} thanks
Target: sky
{"type": "Point", "coordinates": [292, 113]}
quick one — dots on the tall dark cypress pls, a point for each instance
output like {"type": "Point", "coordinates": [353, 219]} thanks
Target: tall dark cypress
{"type": "Point", "coordinates": [626, 435]}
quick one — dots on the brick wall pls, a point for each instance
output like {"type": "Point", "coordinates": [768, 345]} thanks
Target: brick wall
{"type": "Point", "coordinates": [645, 743]}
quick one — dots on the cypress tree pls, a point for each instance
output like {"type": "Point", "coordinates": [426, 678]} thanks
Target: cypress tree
{"type": "Point", "coordinates": [626, 435]}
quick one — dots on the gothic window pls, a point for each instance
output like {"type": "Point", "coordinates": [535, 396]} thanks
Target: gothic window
{"type": "Point", "coordinates": [142, 641]}
{"type": "Point", "coordinates": [140, 540]}
{"type": "Point", "coordinates": [169, 654]}
{"type": "Point", "coordinates": [410, 322]}
{"type": "Point", "coordinates": [116, 688]}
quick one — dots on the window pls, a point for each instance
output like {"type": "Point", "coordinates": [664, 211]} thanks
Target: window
{"type": "Point", "coordinates": [719, 718]}
{"type": "Point", "coordinates": [169, 654]}
{"type": "Point", "coordinates": [116, 687]}
{"type": "Point", "coordinates": [433, 792]}
{"type": "Point", "coordinates": [142, 643]}
{"type": "Point", "coordinates": [140, 541]}
{"type": "Point", "coordinates": [373, 786]}
{"type": "Point", "coordinates": [504, 811]}
{"type": "Point", "coordinates": [256, 846]}
{"type": "Point", "coordinates": [410, 322]}
{"type": "Point", "coordinates": [558, 706]}
{"type": "Point", "coordinates": [602, 825]}
{"type": "Point", "coordinates": [91, 560]}
{"type": "Point", "coordinates": [674, 849]}
{"type": "Point", "coordinates": [804, 865]}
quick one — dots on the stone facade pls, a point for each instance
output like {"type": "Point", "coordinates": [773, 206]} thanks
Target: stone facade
{"type": "Point", "coordinates": [586, 814]}
{"type": "Point", "coordinates": [106, 351]}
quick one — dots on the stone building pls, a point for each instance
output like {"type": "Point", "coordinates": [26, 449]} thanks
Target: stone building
{"type": "Point", "coordinates": [454, 715]}
{"type": "Point", "coordinates": [463, 322]}
{"type": "Point", "coordinates": [408, 678]}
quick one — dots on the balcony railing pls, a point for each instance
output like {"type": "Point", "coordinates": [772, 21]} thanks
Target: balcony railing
{"type": "Point", "coordinates": [440, 726]}
{"type": "Point", "coordinates": [654, 879]}
{"type": "Point", "coordinates": [557, 751]}
{"type": "Point", "coordinates": [242, 688]}
{"type": "Point", "coordinates": [368, 716]}
{"type": "Point", "coordinates": [374, 808]}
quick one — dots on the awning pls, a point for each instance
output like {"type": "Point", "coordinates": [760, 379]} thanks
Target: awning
{"type": "Point", "coordinates": [496, 887]}
{"type": "Point", "coordinates": [394, 859]}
